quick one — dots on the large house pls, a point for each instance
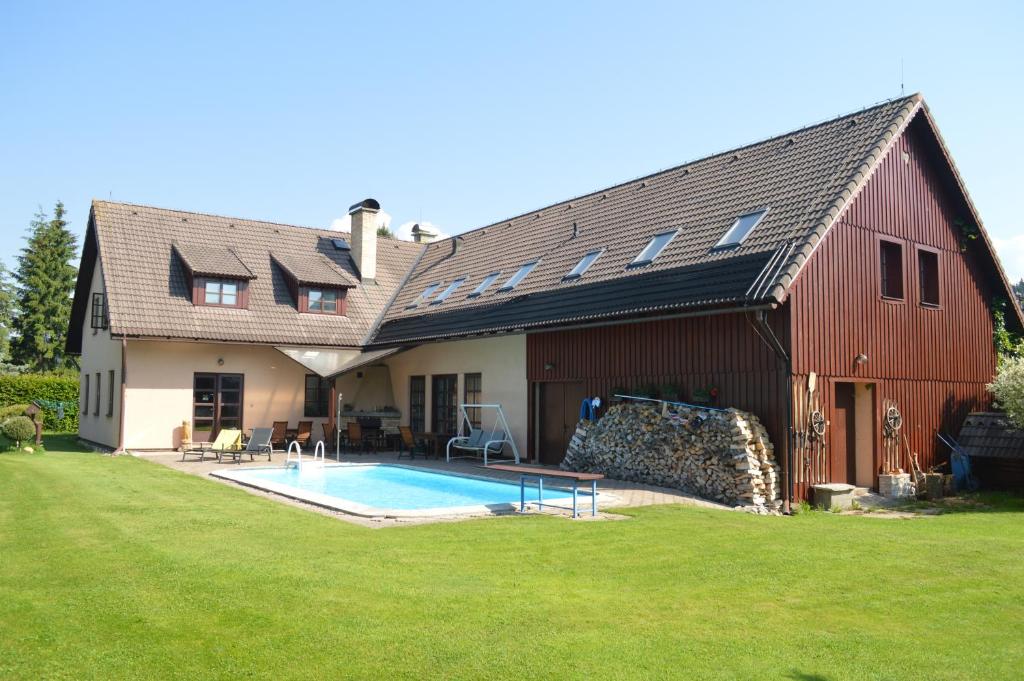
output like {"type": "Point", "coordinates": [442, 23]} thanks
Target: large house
{"type": "Point", "coordinates": [844, 256]}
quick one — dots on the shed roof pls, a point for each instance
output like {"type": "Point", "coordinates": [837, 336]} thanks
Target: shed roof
{"type": "Point", "coordinates": [991, 434]}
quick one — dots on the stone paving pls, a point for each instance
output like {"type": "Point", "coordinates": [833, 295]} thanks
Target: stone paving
{"type": "Point", "coordinates": [612, 493]}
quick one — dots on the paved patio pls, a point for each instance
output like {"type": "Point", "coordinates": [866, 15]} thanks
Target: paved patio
{"type": "Point", "coordinates": [613, 493]}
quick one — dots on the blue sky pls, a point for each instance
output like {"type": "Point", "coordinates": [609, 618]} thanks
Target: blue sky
{"type": "Point", "coordinates": [462, 114]}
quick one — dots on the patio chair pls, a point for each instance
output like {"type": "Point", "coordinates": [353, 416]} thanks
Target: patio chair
{"type": "Point", "coordinates": [259, 443]}
{"type": "Point", "coordinates": [279, 439]}
{"type": "Point", "coordinates": [409, 445]}
{"type": "Point", "coordinates": [355, 437]}
{"type": "Point", "coordinates": [304, 433]}
{"type": "Point", "coordinates": [227, 439]}
{"type": "Point", "coordinates": [328, 434]}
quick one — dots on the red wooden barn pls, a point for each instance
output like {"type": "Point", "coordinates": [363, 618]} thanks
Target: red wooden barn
{"type": "Point", "coordinates": [847, 253]}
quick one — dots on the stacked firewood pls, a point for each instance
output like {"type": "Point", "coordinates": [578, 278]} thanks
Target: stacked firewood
{"type": "Point", "coordinates": [724, 456]}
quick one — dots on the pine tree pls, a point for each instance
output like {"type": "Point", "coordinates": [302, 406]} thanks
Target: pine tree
{"type": "Point", "coordinates": [45, 282]}
{"type": "Point", "coordinates": [6, 313]}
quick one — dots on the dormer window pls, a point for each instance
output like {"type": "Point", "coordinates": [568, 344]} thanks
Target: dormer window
{"type": "Point", "coordinates": [327, 301]}
{"type": "Point", "coordinates": [220, 292]}
{"type": "Point", "coordinates": [318, 284]}
{"type": "Point", "coordinates": [217, 277]}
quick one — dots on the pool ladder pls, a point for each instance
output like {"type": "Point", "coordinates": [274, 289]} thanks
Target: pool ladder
{"type": "Point", "coordinates": [297, 461]}
{"type": "Point", "coordinates": [318, 455]}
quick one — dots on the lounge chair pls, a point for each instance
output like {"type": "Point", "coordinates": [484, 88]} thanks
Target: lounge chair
{"type": "Point", "coordinates": [304, 433]}
{"type": "Point", "coordinates": [280, 436]}
{"type": "Point", "coordinates": [259, 443]}
{"type": "Point", "coordinates": [227, 439]}
{"type": "Point", "coordinates": [409, 445]}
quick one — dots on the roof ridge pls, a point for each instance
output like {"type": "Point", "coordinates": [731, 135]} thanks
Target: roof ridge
{"type": "Point", "coordinates": [215, 215]}
{"type": "Point", "coordinates": [917, 96]}
{"type": "Point", "coordinates": [323, 231]}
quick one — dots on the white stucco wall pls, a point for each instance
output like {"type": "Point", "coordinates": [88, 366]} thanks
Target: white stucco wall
{"type": "Point", "coordinates": [501, 362]}
{"type": "Point", "coordinates": [100, 354]}
{"type": "Point", "coordinates": [159, 390]}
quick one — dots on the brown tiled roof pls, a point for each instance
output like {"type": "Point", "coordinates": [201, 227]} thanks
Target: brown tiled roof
{"type": "Point", "coordinates": [212, 260]}
{"type": "Point", "coordinates": [990, 434]}
{"type": "Point", "coordinates": [317, 270]}
{"type": "Point", "coordinates": [148, 294]}
{"type": "Point", "coordinates": [804, 178]}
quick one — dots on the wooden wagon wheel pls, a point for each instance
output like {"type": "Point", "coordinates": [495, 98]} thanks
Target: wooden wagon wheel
{"type": "Point", "coordinates": [817, 420]}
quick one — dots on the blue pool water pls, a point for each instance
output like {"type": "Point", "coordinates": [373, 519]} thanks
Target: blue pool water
{"type": "Point", "coordinates": [397, 487]}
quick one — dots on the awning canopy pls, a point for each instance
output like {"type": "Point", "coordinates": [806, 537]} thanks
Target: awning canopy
{"type": "Point", "coordinates": [328, 363]}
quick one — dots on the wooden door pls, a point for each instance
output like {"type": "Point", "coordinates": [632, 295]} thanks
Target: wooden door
{"type": "Point", "coordinates": [843, 448]}
{"type": "Point", "coordinates": [216, 404]}
{"type": "Point", "coordinates": [558, 414]}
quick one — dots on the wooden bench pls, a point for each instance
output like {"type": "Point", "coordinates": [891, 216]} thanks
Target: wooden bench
{"type": "Point", "coordinates": [539, 474]}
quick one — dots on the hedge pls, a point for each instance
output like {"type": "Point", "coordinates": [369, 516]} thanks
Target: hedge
{"type": "Point", "coordinates": [25, 388]}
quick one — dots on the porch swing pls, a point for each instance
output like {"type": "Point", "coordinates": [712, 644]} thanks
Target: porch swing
{"type": "Point", "coordinates": [480, 442]}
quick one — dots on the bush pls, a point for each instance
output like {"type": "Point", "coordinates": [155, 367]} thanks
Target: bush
{"type": "Point", "coordinates": [24, 388]}
{"type": "Point", "coordinates": [12, 410]}
{"type": "Point", "coordinates": [1008, 388]}
{"type": "Point", "coordinates": [19, 429]}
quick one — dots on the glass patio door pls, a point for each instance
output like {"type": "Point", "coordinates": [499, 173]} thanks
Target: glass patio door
{"type": "Point", "coordinates": [216, 404]}
{"type": "Point", "coordinates": [445, 400]}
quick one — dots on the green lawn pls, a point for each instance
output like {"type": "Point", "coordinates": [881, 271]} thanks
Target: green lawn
{"type": "Point", "coordinates": [120, 568]}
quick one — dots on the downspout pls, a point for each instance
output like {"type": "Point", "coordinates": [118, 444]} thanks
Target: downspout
{"type": "Point", "coordinates": [124, 392]}
{"type": "Point", "coordinates": [768, 335]}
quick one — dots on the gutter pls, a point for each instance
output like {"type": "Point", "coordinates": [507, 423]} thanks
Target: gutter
{"type": "Point", "coordinates": [765, 332]}
{"type": "Point", "coordinates": [598, 321]}
{"type": "Point", "coordinates": [124, 390]}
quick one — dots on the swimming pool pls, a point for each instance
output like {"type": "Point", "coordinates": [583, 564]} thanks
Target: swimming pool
{"type": "Point", "coordinates": [391, 490]}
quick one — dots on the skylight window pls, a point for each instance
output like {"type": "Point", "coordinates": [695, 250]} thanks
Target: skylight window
{"type": "Point", "coordinates": [484, 285]}
{"type": "Point", "coordinates": [654, 248]}
{"type": "Point", "coordinates": [341, 244]}
{"type": "Point", "coordinates": [514, 280]}
{"type": "Point", "coordinates": [743, 226]}
{"type": "Point", "coordinates": [583, 265]}
{"type": "Point", "coordinates": [427, 292]}
{"type": "Point", "coordinates": [448, 291]}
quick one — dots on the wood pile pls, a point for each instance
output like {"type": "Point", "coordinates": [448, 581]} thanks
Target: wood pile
{"type": "Point", "coordinates": [724, 456]}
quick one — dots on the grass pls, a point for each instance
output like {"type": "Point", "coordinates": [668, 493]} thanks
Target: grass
{"type": "Point", "coordinates": [120, 568]}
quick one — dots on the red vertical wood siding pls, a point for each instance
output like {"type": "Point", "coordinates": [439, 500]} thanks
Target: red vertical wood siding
{"type": "Point", "coordinates": [720, 350]}
{"type": "Point", "coordinates": [935, 362]}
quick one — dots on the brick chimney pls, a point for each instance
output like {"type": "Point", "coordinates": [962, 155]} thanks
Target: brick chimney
{"type": "Point", "coordinates": [364, 238]}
